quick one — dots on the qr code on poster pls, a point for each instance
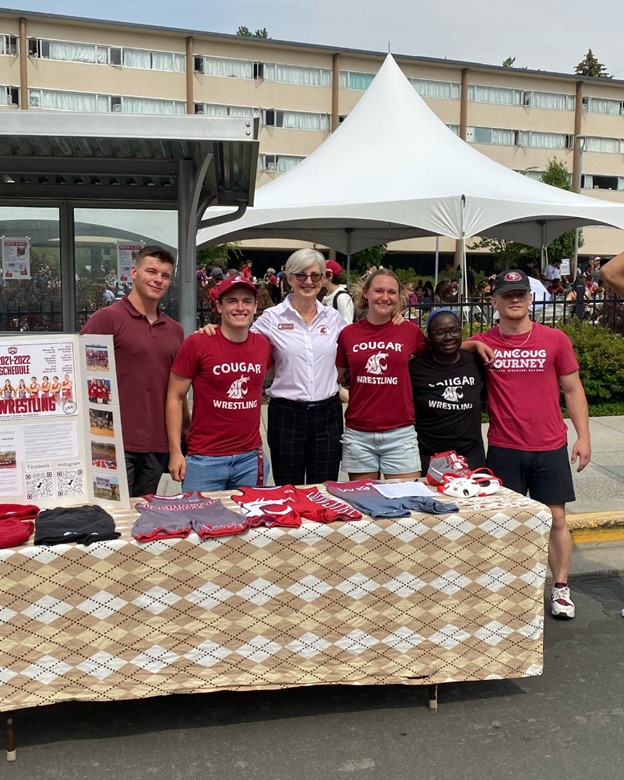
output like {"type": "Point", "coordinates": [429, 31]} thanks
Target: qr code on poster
{"type": "Point", "coordinates": [70, 483]}
{"type": "Point", "coordinates": [39, 485]}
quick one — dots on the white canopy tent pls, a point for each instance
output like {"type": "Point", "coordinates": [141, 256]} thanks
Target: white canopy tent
{"type": "Point", "coordinates": [393, 170]}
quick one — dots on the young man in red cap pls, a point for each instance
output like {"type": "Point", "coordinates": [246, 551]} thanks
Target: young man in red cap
{"type": "Point", "coordinates": [527, 437]}
{"type": "Point", "coordinates": [336, 295]}
{"type": "Point", "coordinates": [227, 374]}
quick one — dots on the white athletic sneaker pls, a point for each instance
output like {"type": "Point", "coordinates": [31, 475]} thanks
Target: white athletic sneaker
{"type": "Point", "coordinates": [561, 605]}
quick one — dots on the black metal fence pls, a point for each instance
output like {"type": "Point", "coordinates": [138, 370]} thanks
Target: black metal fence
{"type": "Point", "coordinates": [481, 315]}
{"type": "Point", "coordinates": [475, 315]}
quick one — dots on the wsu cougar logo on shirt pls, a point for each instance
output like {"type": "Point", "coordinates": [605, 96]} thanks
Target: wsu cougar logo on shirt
{"type": "Point", "coordinates": [376, 363]}
{"type": "Point", "coordinates": [237, 388]}
{"type": "Point", "coordinates": [453, 394]}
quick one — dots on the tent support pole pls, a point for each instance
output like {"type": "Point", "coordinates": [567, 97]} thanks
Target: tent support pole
{"type": "Point", "coordinates": [464, 267]}
{"type": "Point", "coordinates": [462, 249]}
{"type": "Point", "coordinates": [437, 261]}
{"type": "Point", "coordinates": [67, 255]}
{"type": "Point", "coordinates": [348, 231]}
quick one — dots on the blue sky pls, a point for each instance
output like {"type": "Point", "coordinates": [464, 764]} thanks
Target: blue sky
{"type": "Point", "coordinates": [540, 34]}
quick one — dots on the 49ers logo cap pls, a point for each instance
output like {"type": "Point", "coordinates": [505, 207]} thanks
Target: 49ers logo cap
{"type": "Point", "coordinates": [511, 280]}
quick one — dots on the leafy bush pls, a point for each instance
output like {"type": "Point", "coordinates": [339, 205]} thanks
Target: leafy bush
{"type": "Point", "coordinates": [600, 354]}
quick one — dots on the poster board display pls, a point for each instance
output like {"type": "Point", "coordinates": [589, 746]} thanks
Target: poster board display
{"type": "Point", "coordinates": [16, 258]}
{"type": "Point", "coordinates": [126, 258]}
{"type": "Point", "coordinates": [60, 424]}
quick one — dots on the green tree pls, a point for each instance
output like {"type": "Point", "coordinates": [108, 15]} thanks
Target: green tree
{"type": "Point", "coordinates": [507, 254]}
{"type": "Point", "coordinates": [245, 32]}
{"type": "Point", "coordinates": [511, 253]}
{"type": "Point", "coordinates": [508, 63]}
{"type": "Point", "coordinates": [372, 255]}
{"type": "Point", "coordinates": [557, 175]}
{"type": "Point", "coordinates": [221, 254]}
{"type": "Point", "coordinates": [590, 66]}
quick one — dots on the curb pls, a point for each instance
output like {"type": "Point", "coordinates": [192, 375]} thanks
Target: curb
{"type": "Point", "coordinates": [596, 526]}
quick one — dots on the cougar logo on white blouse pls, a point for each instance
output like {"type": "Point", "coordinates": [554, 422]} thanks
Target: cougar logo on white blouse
{"type": "Point", "coordinates": [237, 388]}
{"type": "Point", "coordinates": [376, 363]}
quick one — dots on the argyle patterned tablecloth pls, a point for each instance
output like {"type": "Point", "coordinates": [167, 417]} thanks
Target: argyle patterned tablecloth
{"type": "Point", "coordinates": [424, 599]}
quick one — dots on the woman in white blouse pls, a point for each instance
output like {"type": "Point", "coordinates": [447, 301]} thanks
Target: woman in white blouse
{"type": "Point", "coordinates": [305, 412]}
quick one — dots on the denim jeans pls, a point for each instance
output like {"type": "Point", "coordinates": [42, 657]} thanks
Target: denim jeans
{"type": "Point", "coordinates": [223, 472]}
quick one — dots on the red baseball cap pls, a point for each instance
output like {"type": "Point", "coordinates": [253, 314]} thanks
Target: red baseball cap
{"type": "Point", "coordinates": [235, 281]}
{"type": "Point", "coordinates": [334, 267]}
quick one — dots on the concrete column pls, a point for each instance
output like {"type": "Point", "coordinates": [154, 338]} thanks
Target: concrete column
{"type": "Point", "coordinates": [335, 97]}
{"type": "Point", "coordinates": [23, 64]}
{"type": "Point", "coordinates": [187, 229]}
{"type": "Point", "coordinates": [578, 130]}
{"type": "Point", "coordinates": [190, 107]}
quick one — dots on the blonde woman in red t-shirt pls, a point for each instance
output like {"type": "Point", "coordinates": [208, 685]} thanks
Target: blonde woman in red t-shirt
{"type": "Point", "coordinates": [379, 436]}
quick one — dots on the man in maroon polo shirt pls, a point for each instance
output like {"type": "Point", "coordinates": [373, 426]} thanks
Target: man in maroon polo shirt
{"type": "Point", "coordinates": [146, 342]}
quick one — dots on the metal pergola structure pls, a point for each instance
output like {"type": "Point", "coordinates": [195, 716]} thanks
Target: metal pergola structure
{"type": "Point", "coordinates": [77, 160]}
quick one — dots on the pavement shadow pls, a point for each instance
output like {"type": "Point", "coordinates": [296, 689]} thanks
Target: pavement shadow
{"type": "Point", "coordinates": [105, 720]}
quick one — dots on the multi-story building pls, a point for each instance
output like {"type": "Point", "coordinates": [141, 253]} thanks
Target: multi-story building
{"type": "Point", "coordinates": [520, 118]}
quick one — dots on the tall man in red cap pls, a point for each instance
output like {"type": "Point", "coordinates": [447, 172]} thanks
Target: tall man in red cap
{"type": "Point", "coordinates": [227, 374]}
{"type": "Point", "coordinates": [527, 435]}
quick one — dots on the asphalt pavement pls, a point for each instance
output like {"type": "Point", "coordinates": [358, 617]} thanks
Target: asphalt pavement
{"type": "Point", "coordinates": [563, 725]}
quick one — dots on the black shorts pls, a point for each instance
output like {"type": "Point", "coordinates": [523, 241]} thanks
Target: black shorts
{"type": "Point", "coordinates": [546, 476]}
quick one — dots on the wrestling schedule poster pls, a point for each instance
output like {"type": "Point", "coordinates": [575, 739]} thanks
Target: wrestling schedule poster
{"type": "Point", "coordinates": [60, 427]}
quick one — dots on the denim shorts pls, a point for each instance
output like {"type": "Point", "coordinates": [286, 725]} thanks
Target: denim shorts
{"type": "Point", "coordinates": [223, 472]}
{"type": "Point", "coordinates": [388, 452]}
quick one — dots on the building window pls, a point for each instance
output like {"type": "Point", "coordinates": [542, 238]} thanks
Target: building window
{"type": "Point", "coordinates": [90, 102]}
{"type": "Point", "coordinates": [278, 163]}
{"type": "Point", "coordinates": [537, 140]}
{"type": "Point", "coordinates": [532, 174]}
{"type": "Point", "coordinates": [498, 95]}
{"type": "Point", "coordinates": [556, 101]}
{"type": "Point", "coordinates": [295, 120]}
{"type": "Point", "coordinates": [493, 135]}
{"type": "Point", "coordinates": [595, 182]}
{"type": "Point", "coordinates": [67, 101]}
{"type": "Point", "coordinates": [8, 45]}
{"type": "Point", "coordinates": [605, 145]}
{"type": "Point", "coordinates": [349, 79]}
{"type": "Point", "coordinates": [214, 109]}
{"type": "Point", "coordinates": [454, 129]}
{"type": "Point", "coordinates": [154, 60]}
{"type": "Point", "coordinates": [444, 90]}
{"type": "Point", "coordinates": [227, 68]}
{"type": "Point", "coordinates": [602, 106]}
{"type": "Point", "coordinates": [145, 105]}
{"type": "Point", "coordinates": [294, 74]}
{"type": "Point", "coordinates": [9, 96]}
{"type": "Point", "coordinates": [68, 51]}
